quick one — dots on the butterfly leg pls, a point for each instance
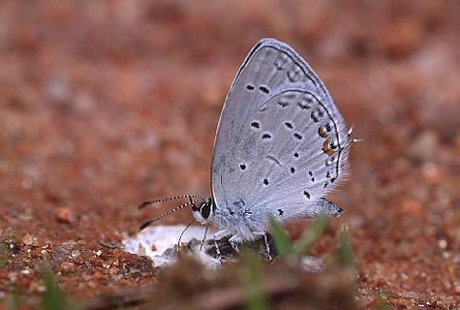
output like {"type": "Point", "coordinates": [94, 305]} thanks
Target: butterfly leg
{"type": "Point", "coordinates": [204, 237]}
{"type": "Point", "coordinates": [217, 236]}
{"type": "Point", "coordinates": [234, 241]}
{"type": "Point", "coordinates": [219, 255]}
{"type": "Point", "coordinates": [267, 245]}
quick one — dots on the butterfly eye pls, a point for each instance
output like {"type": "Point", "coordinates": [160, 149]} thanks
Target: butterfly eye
{"type": "Point", "coordinates": [205, 209]}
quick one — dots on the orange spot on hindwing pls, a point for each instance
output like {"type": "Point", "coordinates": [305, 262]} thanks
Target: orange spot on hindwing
{"type": "Point", "coordinates": [326, 147]}
{"type": "Point", "coordinates": [322, 132]}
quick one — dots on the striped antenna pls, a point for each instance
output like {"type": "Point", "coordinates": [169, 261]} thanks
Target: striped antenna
{"type": "Point", "coordinates": [148, 203]}
{"type": "Point", "coordinates": [148, 223]}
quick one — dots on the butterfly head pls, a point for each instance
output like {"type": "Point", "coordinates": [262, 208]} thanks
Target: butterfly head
{"type": "Point", "coordinates": [203, 210]}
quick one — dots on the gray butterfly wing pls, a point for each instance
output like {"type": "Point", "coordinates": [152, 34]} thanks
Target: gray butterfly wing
{"type": "Point", "coordinates": [281, 143]}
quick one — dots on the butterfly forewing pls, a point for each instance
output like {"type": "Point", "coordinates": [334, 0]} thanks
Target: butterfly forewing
{"type": "Point", "coordinates": [281, 143]}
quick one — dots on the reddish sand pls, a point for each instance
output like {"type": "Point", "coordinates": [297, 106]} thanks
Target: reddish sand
{"type": "Point", "coordinates": [106, 104]}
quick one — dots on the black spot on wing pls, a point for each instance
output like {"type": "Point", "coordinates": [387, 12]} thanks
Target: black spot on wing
{"type": "Point", "coordinates": [255, 125]}
{"type": "Point", "coordinates": [264, 89]}
{"type": "Point", "coordinates": [266, 136]}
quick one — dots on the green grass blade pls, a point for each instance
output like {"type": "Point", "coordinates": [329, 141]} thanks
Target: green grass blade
{"type": "Point", "coordinates": [383, 303]}
{"type": "Point", "coordinates": [53, 297]}
{"type": "Point", "coordinates": [253, 278]}
{"type": "Point", "coordinates": [14, 301]}
{"type": "Point", "coordinates": [3, 253]}
{"type": "Point", "coordinates": [344, 253]}
{"type": "Point", "coordinates": [343, 257]}
{"type": "Point", "coordinates": [282, 242]}
{"type": "Point", "coordinates": [310, 236]}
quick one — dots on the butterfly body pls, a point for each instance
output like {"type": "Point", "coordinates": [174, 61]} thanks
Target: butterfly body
{"type": "Point", "coordinates": [244, 223]}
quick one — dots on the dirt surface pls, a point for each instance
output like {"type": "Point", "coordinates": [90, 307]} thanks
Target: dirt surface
{"type": "Point", "coordinates": [106, 104]}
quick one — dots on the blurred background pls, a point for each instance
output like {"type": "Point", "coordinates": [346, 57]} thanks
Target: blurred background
{"type": "Point", "coordinates": [104, 104]}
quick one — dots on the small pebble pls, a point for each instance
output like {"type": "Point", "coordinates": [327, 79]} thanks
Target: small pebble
{"type": "Point", "coordinates": [30, 240]}
{"type": "Point", "coordinates": [442, 244]}
{"type": "Point", "coordinates": [41, 289]}
{"type": "Point", "coordinates": [65, 215]}
{"type": "Point", "coordinates": [412, 207]}
{"type": "Point", "coordinates": [67, 266]}
{"type": "Point", "coordinates": [425, 146]}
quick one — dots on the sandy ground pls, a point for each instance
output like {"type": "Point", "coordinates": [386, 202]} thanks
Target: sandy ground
{"type": "Point", "coordinates": [106, 104]}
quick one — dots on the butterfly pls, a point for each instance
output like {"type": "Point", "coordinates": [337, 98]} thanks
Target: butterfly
{"type": "Point", "coordinates": [281, 146]}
